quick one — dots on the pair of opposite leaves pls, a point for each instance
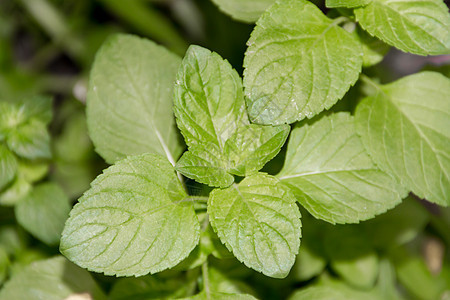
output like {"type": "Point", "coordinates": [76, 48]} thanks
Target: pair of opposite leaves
{"type": "Point", "coordinates": [136, 218]}
{"type": "Point", "coordinates": [353, 173]}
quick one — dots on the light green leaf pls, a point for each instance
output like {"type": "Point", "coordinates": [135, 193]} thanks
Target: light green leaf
{"type": "Point", "coordinates": [9, 118]}
{"type": "Point", "coordinates": [420, 27]}
{"type": "Point", "coordinates": [129, 106]}
{"type": "Point", "coordinates": [331, 174]}
{"type": "Point", "coordinates": [259, 222]}
{"type": "Point", "coordinates": [308, 264]}
{"type": "Point", "coordinates": [32, 171]}
{"type": "Point", "coordinates": [346, 3]}
{"type": "Point", "coordinates": [14, 114]}
{"type": "Point", "coordinates": [16, 191]}
{"type": "Point", "coordinates": [211, 114]}
{"type": "Point", "coordinates": [220, 282]}
{"type": "Point", "coordinates": [30, 140]}
{"type": "Point", "coordinates": [51, 279]}
{"type": "Point", "coordinates": [407, 136]}
{"type": "Point", "coordinates": [8, 166]}
{"type": "Point", "coordinates": [374, 49]}
{"type": "Point", "coordinates": [43, 212]}
{"type": "Point", "coordinates": [200, 254]}
{"type": "Point", "coordinates": [244, 10]}
{"type": "Point", "coordinates": [298, 63]}
{"type": "Point", "coordinates": [133, 221]}
{"type": "Point", "coordinates": [209, 101]}
{"type": "Point", "coordinates": [204, 167]}
{"type": "Point", "coordinates": [252, 146]}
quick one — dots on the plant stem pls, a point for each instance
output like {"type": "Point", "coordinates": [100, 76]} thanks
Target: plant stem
{"type": "Point", "coordinates": [206, 279]}
{"type": "Point", "coordinates": [373, 86]}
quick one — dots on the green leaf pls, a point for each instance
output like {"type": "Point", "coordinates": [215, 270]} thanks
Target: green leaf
{"type": "Point", "coordinates": [30, 140]}
{"type": "Point", "coordinates": [4, 265]}
{"type": "Point", "coordinates": [211, 114]}
{"type": "Point", "coordinates": [220, 282]}
{"type": "Point", "coordinates": [220, 296]}
{"type": "Point", "coordinates": [252, 146]}
{"type": "Point", "coordinates": [332, 176]}
{"type": "Point", "coordinates": [13, 239]}
{"type": "Point", "coordinates": [415, 276]}
{"type": "Point", "coordinates": [17, 113]}
{"type": "Point", "coordinates": [298, 63]}
{"type": "Point", "coordinates": [133, 221]}
{"type": "Point", "coordinates": [16, 191]}
{"type": "Point", "coordinates": [374, 49]}
{"type": "Point", "coordinates": [204, 167]}
{"type": "Point", "coordinates": [346, 3]}
{"type": "Point", "coordinates": [32, 171]}
{"type": "Point", "coordinates": [398, 226]}
{"type": "Point", "coordinates": [259, 222]}
{"type": "Point", "coordinates": [244, 10]}
{"type": "Point", "coordinates": [52, 279]}
{"type": "Point", "coordinates": [39, 107]}
{"type": "Point", "coordinates": [308, 264]}
{"type": "Point", "coordinates": [8, 166]}
{"type": "Point", "coordinates": [43, 212]}
{"type": "Point", "coordinates": [351, 255]}
{"type": "Point", "coordinates": [420, 27]}
{"type": "Point", "coordinates": [150, 287]}
{"type": "Point", "coordinates": [129, 102]}
{"type": "Point", "coordinates": [200, 254]}
{"type": "Point", "coordinates": [409, 137]}
{"type": "Point", "coordinates": [333, 290]}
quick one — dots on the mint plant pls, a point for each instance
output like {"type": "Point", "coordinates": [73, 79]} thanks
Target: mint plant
{"type": "Point", "coordinates": [137, 218]}
{"type": "Point", "coordinates": [25, 157]}
{"type": "Point", "coordinates": [191, 143]}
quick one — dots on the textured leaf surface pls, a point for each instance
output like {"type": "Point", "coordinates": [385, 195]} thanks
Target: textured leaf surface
{"type": "Point", "coordinates": [133, 220]}
{"type": "Point", "coordinates": [8, 166]}
{"type": "Point", "coordinates": [129, 106]}
{"type": "Point", "coordinates": [346, 3]}
{"type": "Point", "coordinates": [404, 127]}
{"type": "Point", "coordinates": [259, 222]}
{"type": "Point", "coordinates": [211, 114]}
{"type": "Point", "coordinates": [298, 63]}
{"type": "Point", "coordinates": [43, 212]}
{"type": "Point", "coordinates": [244, 10]}
{"type": "Point", "coordinates": [204, 167]}
{"type": "Point", "coordinates": [51, 279]}
{"type": "Point", "coordinates": [420, 27]}
{"type": "Point", "coordinates": [332, 175]}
